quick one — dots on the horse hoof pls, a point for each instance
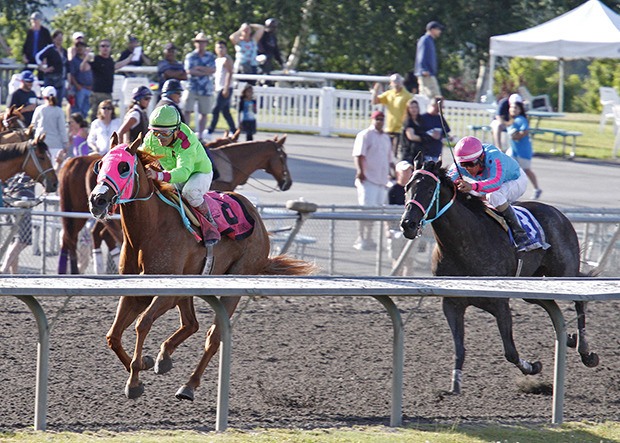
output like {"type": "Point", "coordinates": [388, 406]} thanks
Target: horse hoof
{"type": "Point", "coordinates": [147, 363]}
{"type": "Point", "coordinates": [536, 368]}
{"type": "Point", "coordinates": [134, 392]}
{"type": "Point", "coordinates": [163, 365]}
{"type": "Point", "coordinates": [590, 360]}
{"type": "Point", "coordinates": [185, 393]}
{"type": "Point", "coordinates": [571, 340]}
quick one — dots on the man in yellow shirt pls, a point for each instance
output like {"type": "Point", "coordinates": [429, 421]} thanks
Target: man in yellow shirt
{"type": "Point", "coordinates": [395, 101]}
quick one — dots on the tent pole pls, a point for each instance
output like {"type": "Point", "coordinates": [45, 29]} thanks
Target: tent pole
{"type": "Point", "coordinates": [491, 74]}
{"type": "Point", "coordinates": [561, 86]}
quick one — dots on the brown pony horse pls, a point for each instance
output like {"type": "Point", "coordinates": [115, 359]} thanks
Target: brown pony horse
{"type": "Point", "coordinates": [237, 161]}
{"type": "Point", "coordinates": [13, 129]}
{"type": "Point", "coordinates": [76, 181]}
{"type": "Point", "coordinates": [31, 157]}
{"type": "Point", "coordinates": [156, 242]}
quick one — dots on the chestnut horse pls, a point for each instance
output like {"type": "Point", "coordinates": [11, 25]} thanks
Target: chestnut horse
{"type": "Point", "coordinates": [31, 157]}
{"type": "Point", "coordinates": [156, 242]}
{"type": "Point", "coordinates": [76, 181]}
{"type": "Point", "coordinates": [471, 243]}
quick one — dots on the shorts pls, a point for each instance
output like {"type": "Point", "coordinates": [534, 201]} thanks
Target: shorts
{"type": "Point", "coordinates": [248, 126]}
{"type": "Point", "coordinates": [370, 194]}
{"type": "Point", "coordinates": [429, 86]}
{"type": "Point", "coordinates": [525, 163]}
{"type": "Point", "coordinates": [24, 228]}
{"type": "Point", "coordinates": [205, 102]}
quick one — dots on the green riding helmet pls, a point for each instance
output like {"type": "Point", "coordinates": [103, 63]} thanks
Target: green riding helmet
{"type": "Point", "coordinates": [165, 117]}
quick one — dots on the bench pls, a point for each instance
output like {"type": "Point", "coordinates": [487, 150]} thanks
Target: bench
{"type": "Point", "coordinates": [486, 129]}
{"type": "Point", "coordinates": [559, 133]}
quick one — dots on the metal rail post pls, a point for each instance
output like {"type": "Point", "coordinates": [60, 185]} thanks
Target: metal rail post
{"type": "Point", "coordinates": [398, 346]}
{"type": "Point", "coordinates": [559, 375]}
{"type": "Point", "coordinates": [223, 392]}
{"type": "Point", "coordinates": [43, 352]}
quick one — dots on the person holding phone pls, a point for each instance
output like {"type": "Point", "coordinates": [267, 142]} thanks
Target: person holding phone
{"type": "Point", "coordinates": [134, 51]}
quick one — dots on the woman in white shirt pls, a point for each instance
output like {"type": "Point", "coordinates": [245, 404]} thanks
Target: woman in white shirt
{"type": "Point", "coordinates": [103, 127]}
{"type": "Point", "coordinates": [49, 119]}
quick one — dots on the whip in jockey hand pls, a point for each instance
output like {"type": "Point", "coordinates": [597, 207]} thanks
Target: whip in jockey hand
{"type": "Point", "coordinates": [495, 175]}
{"type": "Point", "coordinates": [183, 159]}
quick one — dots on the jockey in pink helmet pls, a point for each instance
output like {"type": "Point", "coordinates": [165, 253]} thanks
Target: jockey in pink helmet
{"type": "Point", "coordinates": [497, 176]}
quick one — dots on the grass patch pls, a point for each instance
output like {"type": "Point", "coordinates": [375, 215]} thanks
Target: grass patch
{"type": "Point", "coordinates": [592, 144]}
{"type": "Point", "coordinates": [582, 432]}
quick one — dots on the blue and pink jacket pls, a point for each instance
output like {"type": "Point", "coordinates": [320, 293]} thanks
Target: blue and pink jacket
{"type": "Point", "coordinates": [498, 169]}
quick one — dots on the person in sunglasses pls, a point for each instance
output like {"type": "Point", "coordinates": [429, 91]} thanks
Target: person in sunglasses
{"type": "Point", "coordinates": [486, 170]}
{"type": "Point", "coordinates": [183, 160]}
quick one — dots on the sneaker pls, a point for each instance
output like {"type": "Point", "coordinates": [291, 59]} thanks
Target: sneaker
{"type": "Point", "coordinates": [536, 194]}
{"type": "Point", "coordinates": [359, 244]}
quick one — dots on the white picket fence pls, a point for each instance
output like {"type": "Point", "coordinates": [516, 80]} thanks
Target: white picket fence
{"type": "Point", "coordinates": [330, 111]}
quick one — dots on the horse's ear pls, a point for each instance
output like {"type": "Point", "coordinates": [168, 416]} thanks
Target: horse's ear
{"type": "Point", "coordinates": [40, 138]}
{"type": "Point", "coordinates": [226, 133]}
{"type": "Point", "coordinates": [282, 140]}
{"type": "Point", "coordinates": [30, 132]}
{"type": "Point", "coordinates": [235, 136]}
{"type": "Point", "coordinates": [438, 164]}
{"type": "Point", "coordinates": [417, 161]}
{"type": "Point", "coordinates": [135, 144]}
{"type": "Point", "coordinates": [113, 139]}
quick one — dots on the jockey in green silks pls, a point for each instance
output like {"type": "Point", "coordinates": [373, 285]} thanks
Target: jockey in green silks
{"type": "Point", "coordinates": [183, 159]}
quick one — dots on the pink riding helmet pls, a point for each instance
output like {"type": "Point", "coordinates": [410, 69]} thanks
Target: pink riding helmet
{"type": "Point", "coordinates": [468, 149]}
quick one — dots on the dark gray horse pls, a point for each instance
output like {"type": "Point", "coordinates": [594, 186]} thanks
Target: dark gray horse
{"type": "Point", "coordinates": [471, 243]}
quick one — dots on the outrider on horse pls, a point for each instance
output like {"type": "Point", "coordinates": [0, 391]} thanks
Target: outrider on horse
{"type": "Point", "coordinates": [472, 243]}
{"type": "Point", "coordinates": [156, 241]}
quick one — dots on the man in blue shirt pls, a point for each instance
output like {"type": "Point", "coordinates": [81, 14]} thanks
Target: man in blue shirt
{"type": "Point", "coordinates": [426, 61]}
{"type": "Point", "coordinates": [199, 67]}
{"type": "Point", "coordinates": [81, 80]}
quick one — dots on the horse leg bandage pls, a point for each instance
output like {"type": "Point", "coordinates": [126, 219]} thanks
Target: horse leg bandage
{"type": "Point", "coordinates": [98, 261]}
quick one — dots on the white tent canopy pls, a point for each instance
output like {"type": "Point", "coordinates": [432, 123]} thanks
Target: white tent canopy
{"type": "Point", "coordinates": [591, 30]}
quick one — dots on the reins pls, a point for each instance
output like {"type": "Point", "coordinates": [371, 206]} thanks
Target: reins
{"type": "Point", "coordinates": [30, 154]}
{"type": "Point", "coordinates": [434, 200]}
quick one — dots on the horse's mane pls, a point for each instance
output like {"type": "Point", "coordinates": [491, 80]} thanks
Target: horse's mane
{"type": "Point", "coordinates": [471, 202]}
{"type": "Point", "coordinates": [10, 151]}
{"type": "Point", "coordinates": [153, 160]}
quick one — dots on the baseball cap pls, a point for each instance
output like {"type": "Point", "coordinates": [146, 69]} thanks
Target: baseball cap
{"type": "Point", "coordinates": [515, 98]}
{"type": "Point", "coordinates": [77, 35]}
{"type": "Point", "coordinates": [201, 37]}
{"type": "Point", "coordinates": [36, 16]}
{"type": "Point", "coordinates": [376, 114]}
{"type": "Point", "coordinates": [434, 24]}
{"type": "Point", "coordinates": [26, 76]}
{"type": "Point", "coordinates": [49, 91]}
{"type": "Point", "coordinates": [169, 46]}
{"type": "Point", "coordinates": [396, 78]}
{"type": "Point", "coordinates": [132, 38]}
{"type": "Point", "coordinates": [403, 166]}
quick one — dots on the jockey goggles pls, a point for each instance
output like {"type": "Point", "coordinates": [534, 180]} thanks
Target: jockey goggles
{"type": "Point", "coordinates": [162, 133]}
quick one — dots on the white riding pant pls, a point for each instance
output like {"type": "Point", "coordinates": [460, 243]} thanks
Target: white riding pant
{"type": "Point", "coordinates": [509, 191]}
{"type": "Point", "coordinates": [196, 187]}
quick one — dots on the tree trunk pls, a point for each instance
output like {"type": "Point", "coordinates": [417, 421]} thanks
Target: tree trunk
{"type": "Point", "coordinates": [298, 45]}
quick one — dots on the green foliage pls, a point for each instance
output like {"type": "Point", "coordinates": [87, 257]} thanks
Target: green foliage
{"type": "Point", "coordinates": [354, 36]}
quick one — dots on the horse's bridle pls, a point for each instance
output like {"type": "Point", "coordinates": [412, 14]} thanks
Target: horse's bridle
{"type": "Point", "coordinates": [434, 200]}
{"type": "Point", "coordinates": [31, 155]}
{"type": "Point", "coordinates": [132, 178]}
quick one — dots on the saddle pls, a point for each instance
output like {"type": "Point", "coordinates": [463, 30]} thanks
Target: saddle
{"type": "Point", "coordinates": [230, 215]}
{"type": "Point", "coordinates": [528, 222]}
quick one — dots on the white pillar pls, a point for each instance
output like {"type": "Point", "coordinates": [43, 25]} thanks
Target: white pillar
{"type": "Point", "coordinates": [326, 110]}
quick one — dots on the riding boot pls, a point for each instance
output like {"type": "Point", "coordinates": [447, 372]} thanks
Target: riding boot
{"type": "Point", "coordinates": [523, 242]}
{"type": "Point", "coordinates": [212, 236]}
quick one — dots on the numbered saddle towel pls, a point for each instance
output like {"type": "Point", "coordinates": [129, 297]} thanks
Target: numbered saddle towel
{"type": "Point", "coordinates": [532, 228]}
{"type": "Point", "coordinates": [229, 214]}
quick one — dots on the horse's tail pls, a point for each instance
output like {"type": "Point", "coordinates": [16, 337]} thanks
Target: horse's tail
{"type": "Point", "coordinates": [287, 265]}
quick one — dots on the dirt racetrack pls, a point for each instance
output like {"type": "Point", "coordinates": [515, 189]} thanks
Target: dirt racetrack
{"type": "Point", "coordinates": [302, 362]}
